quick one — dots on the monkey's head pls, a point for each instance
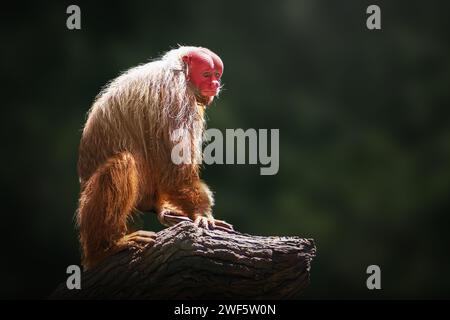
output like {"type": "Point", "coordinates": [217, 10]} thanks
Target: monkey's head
{"type": "Point", "coordinates": [204, 69]}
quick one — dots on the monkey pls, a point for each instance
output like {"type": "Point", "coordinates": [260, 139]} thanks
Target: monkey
{"type": "Point", "coordinates": [124, 156]}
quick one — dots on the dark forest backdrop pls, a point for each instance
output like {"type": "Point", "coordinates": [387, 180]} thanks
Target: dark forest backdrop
{"type": "Point", "coordinates": [363, 118]}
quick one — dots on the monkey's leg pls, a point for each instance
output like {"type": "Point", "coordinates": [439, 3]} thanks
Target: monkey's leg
{"type": "Point", "coordinates": [107, 200]}
{"type": "Point", "coordinates": [192, 203]}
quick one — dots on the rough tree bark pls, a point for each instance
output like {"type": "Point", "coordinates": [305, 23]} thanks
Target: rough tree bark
{"type": "Point", "coordinates": [188, 262]}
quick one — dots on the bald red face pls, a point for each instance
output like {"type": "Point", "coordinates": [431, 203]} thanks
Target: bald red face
{"type": "Point", "coordinates": [205, 69]}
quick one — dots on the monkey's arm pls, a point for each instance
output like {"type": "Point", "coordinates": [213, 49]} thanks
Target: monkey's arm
{"type": "Point", "coordinates": [192, 203]}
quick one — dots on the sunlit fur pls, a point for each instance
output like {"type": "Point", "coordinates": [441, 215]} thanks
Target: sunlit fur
{"type": "Point", "coordinates": [125, 153]}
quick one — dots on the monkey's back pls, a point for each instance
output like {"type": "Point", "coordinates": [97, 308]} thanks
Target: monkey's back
{"type": "Point", "coordinates": [137, 113]}
{"type": "Point", "coordinates": [109, 131]}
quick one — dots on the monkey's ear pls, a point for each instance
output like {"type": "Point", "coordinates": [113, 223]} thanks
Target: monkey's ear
{"type": "Point", "coordinates": [186, 59]}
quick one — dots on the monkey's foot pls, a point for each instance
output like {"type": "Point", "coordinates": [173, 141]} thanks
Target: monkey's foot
{"type": "Point", "coordinates": [141, 238]}
{"type": "Point", "coordinates": [210, 223]}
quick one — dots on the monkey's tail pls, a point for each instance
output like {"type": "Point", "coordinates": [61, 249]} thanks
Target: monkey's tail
{"type": "Point", "coordinates": [107, 200]}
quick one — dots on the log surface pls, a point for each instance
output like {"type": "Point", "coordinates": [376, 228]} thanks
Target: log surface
{"type": "Point", "coordinates": [188, 262]}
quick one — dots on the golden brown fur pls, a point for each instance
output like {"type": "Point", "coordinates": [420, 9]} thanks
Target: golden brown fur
{"type": "Point", "coordinates": [125, 154]}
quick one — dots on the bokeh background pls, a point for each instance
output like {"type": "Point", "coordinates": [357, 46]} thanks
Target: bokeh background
{"type": "Point", "coordinates": [363, 118]}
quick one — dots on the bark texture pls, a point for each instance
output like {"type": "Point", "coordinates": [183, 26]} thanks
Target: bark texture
{"type": "Point", "coordinates": [188, 262]}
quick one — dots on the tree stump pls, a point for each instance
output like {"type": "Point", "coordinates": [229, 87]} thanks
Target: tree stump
{"type": "Point", "coordinates": [188, 262]}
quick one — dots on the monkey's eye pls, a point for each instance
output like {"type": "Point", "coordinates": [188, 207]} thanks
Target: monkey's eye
{"type": "Point", "coordinates": [206, 74]}
{"type": "Point", "coordinates": [217, 75]}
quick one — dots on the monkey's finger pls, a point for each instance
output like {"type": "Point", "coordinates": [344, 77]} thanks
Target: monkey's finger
{"type": "Point", "coordinates": [228, 230]}
{"type": "Point", "coordinates": [143, 240]}
{"type": "Point", "coordinates": [173, 219]}
{"type": "Point", "coordinates": [197, 221]}
{"type": "Point", "coordinates": [144, 233]}
{"type": "Point", "coordinates": [201, 222]}
{"type": "Point", "coordinates": [205, 223]}
{"type": "Point", "coordinates": [211, 224]}
{"type": "Point", "coordinates": [224, 224]}
{"type": "Point", "coordinates": [177, 217]}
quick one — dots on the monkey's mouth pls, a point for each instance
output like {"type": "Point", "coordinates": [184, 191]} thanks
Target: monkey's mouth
{"type": "Point", "coordinates": [210, 93]}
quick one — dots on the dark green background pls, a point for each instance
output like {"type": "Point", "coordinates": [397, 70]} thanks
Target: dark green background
{"type": "Point", "coordinates": [363, 118]}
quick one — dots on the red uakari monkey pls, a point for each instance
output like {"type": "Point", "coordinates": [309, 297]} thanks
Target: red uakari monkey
{"type": "Point", "coordinates": [125, 160]}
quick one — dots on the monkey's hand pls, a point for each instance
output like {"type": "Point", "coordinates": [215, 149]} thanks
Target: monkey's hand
{"type": "Point", "coordinates": [139, 239]}
{"type": "Point", "coordinates": [210, 223]}
{"type": "Point", "coordinates": [169, 218]}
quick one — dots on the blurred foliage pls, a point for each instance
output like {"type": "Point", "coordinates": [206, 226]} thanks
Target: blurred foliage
{"type": "Point", "coordinates": [363, 118]}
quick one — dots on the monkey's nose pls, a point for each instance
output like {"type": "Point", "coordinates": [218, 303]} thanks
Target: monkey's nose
{"type": "Point", "coordinates": [215, 85]}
